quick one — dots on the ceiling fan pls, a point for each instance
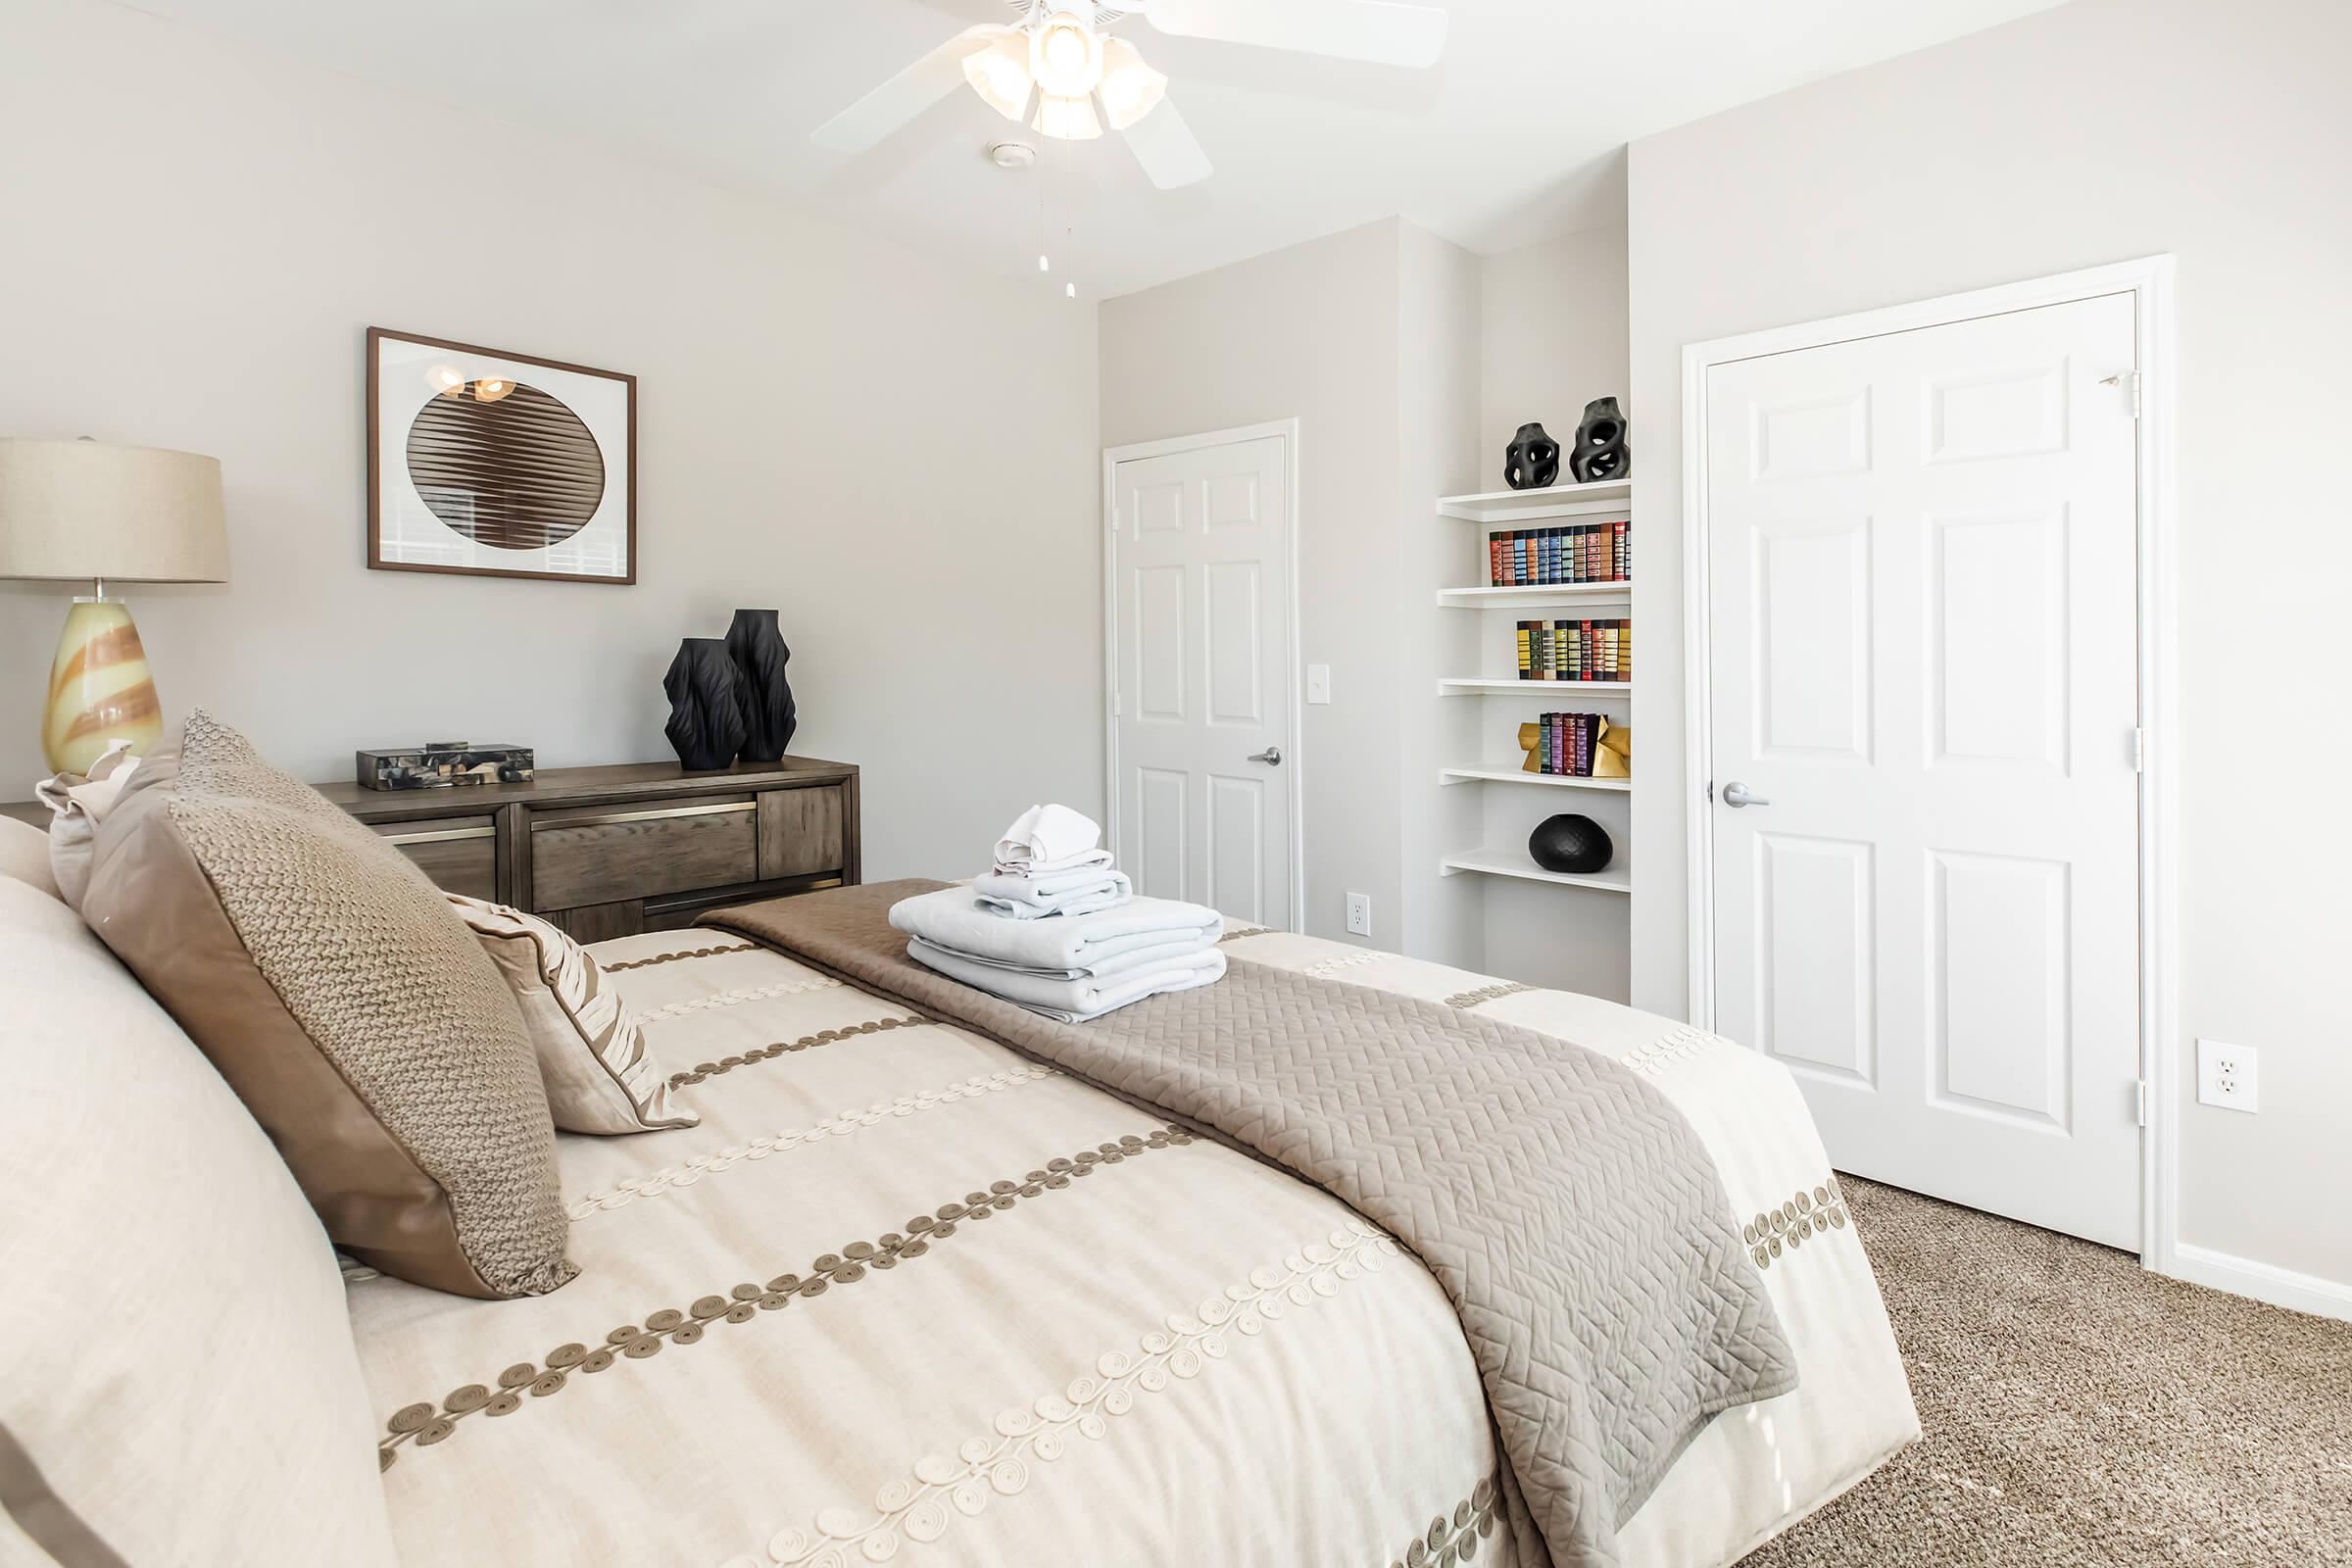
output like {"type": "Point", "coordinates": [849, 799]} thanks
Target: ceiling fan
{"type": "Point", "coordinates": [1059, 62]}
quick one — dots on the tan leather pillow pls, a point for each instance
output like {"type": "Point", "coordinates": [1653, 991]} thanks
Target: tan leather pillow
{"type": "Point", "coordinates": [347, 1005]}
{"type": "Point", "coordinates": [600, 1077]}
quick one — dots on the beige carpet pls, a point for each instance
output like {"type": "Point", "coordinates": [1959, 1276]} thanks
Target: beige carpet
{"type": "Point", "coordinates": [2081, 1413]}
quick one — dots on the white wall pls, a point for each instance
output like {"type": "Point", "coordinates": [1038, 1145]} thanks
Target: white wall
{"type": "Point", "coordinates": [1437, 305]}
{"type": "Point", "coordinates": [888, 449]}
{"type": "Point", "coordinates": [2098, 131]}
{"type": "Point", "coordinates": [1307, 332]}
{"type": "Point", "coordinates": [1551, 338]}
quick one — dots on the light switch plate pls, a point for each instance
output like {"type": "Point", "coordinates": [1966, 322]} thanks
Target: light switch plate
{"type": "Point", "coordinates": [2225, 1076]}
{"type": "Point", "coordinates": [1318, 683]}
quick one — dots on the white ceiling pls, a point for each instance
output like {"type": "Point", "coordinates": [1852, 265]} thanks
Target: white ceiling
{"type": "Point", "coordinates": [1514, 136]}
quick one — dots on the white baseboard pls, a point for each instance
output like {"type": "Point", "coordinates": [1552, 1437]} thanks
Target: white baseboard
{"type": "Point", "coordinates": [2264, 1282]}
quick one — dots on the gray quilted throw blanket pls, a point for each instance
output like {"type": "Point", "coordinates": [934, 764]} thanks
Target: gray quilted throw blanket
{"type": "Point", "coordinates": [1567, 1209]}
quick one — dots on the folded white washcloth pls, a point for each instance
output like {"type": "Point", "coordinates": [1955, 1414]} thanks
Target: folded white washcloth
{"type": "Point", "coordinates": [1183, 950]}
{"type": "Point", "coordinates": [1029, 898]}
{"type": "Point", "coordinates": [953, 918]}
{"type": "Point", "coordinates": [1050, 838]}
{"type": "Point", "coordinates": [1096, 860]}
{"type": "Point", "coordinates": [1072, 1001]}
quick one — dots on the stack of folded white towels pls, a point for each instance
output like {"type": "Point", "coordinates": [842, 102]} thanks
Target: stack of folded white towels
{"type": "Point", "coordinates": [1056, 928]}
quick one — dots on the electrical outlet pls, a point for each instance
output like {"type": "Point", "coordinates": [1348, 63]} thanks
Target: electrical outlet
{"type": "Point", "coordinates": [2225, 1076]}
{"type": "Point", "coordinates": [1359, 915]}
{"type": "Point", "coordinates": [1318, 683]}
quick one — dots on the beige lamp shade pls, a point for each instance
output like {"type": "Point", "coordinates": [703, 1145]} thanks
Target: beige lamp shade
{"type": "Point", "coordinates": [86, 510]}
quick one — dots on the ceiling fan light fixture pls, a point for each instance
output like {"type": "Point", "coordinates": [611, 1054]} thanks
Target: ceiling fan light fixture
{"type": "Point", "coordinates": [1066, 118]}
{"type": "Point", "coordinates": [1131, 89]}
{"type": "Point", "coordinates": [1000, 74]}
{"type": "Point", "coordinates": [1065, 55]}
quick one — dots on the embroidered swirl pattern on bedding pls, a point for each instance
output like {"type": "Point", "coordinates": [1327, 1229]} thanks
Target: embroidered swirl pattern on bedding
{"type": "Point", "coordinates": [923, 1506]}
{"type": "Point", "coordinates": [424, 1426]}
{"type": "Point", "coordinates": [623, 1194]}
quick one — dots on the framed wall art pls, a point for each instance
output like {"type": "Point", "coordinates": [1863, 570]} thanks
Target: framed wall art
{"type": "Point", "coordinates": [499, 464]}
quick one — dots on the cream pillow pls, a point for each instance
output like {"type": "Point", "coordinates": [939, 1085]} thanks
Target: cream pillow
{"type": "Point", "coordinates": [78, 803]}
{"type": "Point", "coordinates": [181, 1373]}
{"type": "Point", "coordinates": [24, 855]}
{"type": "Point", "coordinates": [600, 1077]}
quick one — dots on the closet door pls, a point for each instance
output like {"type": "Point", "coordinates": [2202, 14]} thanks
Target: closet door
{"type": "Point", "coordinates": [1924, 693]}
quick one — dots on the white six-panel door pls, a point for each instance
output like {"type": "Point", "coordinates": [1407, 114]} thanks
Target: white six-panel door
{"type": "Point", "coordinates": [1921, 608]}
{"type": "Point", "coordinates": [1200, 583]}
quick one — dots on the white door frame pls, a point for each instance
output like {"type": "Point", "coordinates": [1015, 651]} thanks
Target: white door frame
{"type": "Point", "coordinates": [1293, 754]}
{"type": "Point", "coordinates": [2149, 280]}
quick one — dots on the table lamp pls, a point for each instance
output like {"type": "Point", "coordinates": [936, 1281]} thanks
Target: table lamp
{"type": "Point", "coordinates": [87, 510]}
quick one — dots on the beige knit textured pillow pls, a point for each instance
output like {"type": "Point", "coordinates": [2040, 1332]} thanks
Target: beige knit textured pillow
{"type": "Point", "coordinates": [349, 1008]}
{"type": "Point", "coordinates": [600, 1077]}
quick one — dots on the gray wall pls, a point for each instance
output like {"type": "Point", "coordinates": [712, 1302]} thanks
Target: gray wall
{"type": "Point", "coordinates": [898, 454]}
{"type": "Point", "coordinates": [1307, 332]}
{"type": "Point", "coordinates": [2101, 130]}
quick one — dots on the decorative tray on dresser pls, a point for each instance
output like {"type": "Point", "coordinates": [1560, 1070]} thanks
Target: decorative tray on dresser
{"type": "Point", "coordinates": [609, 851]}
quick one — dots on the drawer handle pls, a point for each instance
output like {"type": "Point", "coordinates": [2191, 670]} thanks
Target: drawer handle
{"type": "Point", "coordinates": [611, 817]}
{"type": "Point", "coordinates": [445, 835]}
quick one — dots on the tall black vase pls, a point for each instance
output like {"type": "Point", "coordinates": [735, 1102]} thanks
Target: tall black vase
{"type": "Point", "coordinates": [707, 704]}
{"type": "Point", "coordinates": [758, 651]}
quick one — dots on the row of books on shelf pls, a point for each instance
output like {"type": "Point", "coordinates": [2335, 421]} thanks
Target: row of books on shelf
{"type": "Point", "coordinates": [1591, 552]}
{"type": "Point", "coordinates": [1576, 650]}
{"type": "Point", "coordinates": [1570, 745]}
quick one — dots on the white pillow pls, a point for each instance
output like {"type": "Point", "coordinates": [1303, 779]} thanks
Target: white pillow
{"type": "Point", "coordinates": [24, 855]}
{"type": "Point", "coordinates": [195, 1397]}
{"type": "Point", "coordinates": [599, 1075]}
{"type": "Point", "coordinates": [78, 803]}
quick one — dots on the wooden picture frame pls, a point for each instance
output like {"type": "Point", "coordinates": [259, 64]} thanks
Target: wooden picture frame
{"type": "Point", "coordinates": [445, 491]}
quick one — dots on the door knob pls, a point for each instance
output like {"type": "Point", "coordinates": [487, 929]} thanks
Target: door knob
{"type": "Point", "coordinates": [1738, 793]}
{"type": "Point", "coordinates": [1271, 757]}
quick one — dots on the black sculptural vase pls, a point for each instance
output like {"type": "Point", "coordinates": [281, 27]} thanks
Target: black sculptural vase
{"type": "Point", "coordinates": [1575, 846]}
{"type": "Point", "coordinates": [1532, 460]}
{"type": "Point", "coordinates": [758, 651]}
{"type": "Point", "coordinates": [1600, 453]}
{"type": "Point", "coordinates": [706, 702]}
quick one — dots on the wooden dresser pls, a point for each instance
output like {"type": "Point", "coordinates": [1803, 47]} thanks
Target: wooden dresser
{"type": "Point", "coordinates": [609, 851]}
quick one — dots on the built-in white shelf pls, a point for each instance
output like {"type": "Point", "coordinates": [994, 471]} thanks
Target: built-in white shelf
{"type": "Point", "coordinates": [1514, 863]}
{"type": "Point", "coordinates": [1531, 595]}
{"type": "Point", "coordinates": [1513, 775]}
{"type": "Point", "coordinates": [1554, 501]}
{"type": "Point", "coordinates": [1478, 685]}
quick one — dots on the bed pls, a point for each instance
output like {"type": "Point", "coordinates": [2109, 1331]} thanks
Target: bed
{"type": "Point", "coordinates": [906, 1293]}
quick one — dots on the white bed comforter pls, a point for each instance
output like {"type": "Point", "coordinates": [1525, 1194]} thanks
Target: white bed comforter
{"type": "Point", "coordinates": [907, 1295]}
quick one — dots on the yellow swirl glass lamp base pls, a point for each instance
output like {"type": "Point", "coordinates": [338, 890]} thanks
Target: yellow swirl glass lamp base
{"type": "Point", "coordinates": [99, 689]}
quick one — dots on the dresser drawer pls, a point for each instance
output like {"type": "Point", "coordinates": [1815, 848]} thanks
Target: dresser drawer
{"type": "Point", "coordinates": [804, 832]}
{"type": "Point", "coordinates": [597, 855]}
{"type": "Point", "coordinates": [458, 852]}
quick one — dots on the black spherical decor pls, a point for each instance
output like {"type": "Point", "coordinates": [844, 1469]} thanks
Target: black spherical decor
{"type": "Point", "coordinates": [1575, 846]}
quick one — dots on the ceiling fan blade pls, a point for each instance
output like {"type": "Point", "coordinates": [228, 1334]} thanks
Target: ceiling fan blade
{"type": "Point", "coordinates": [1384, 31]}
{"type": "Point", "coordinates": [905, 95]}
{"type": "Point", "coordinates": [1163, 144]}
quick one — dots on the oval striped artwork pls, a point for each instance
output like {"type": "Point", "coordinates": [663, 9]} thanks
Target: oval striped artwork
{"type": "Point", "coordinates": [519, 473]}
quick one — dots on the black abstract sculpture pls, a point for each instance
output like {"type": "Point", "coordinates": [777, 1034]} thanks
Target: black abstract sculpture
{"type": "Point", "coordinates": [1575, 846]}
{"type": "Point", "coordinates": [1601, 451]}
{"type": "Point", "coordinates": [769, 713]}
{"type": "Point", "coordinates": [1532, 460]}
{"type": "Point", "coordinates": [706, 702]}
